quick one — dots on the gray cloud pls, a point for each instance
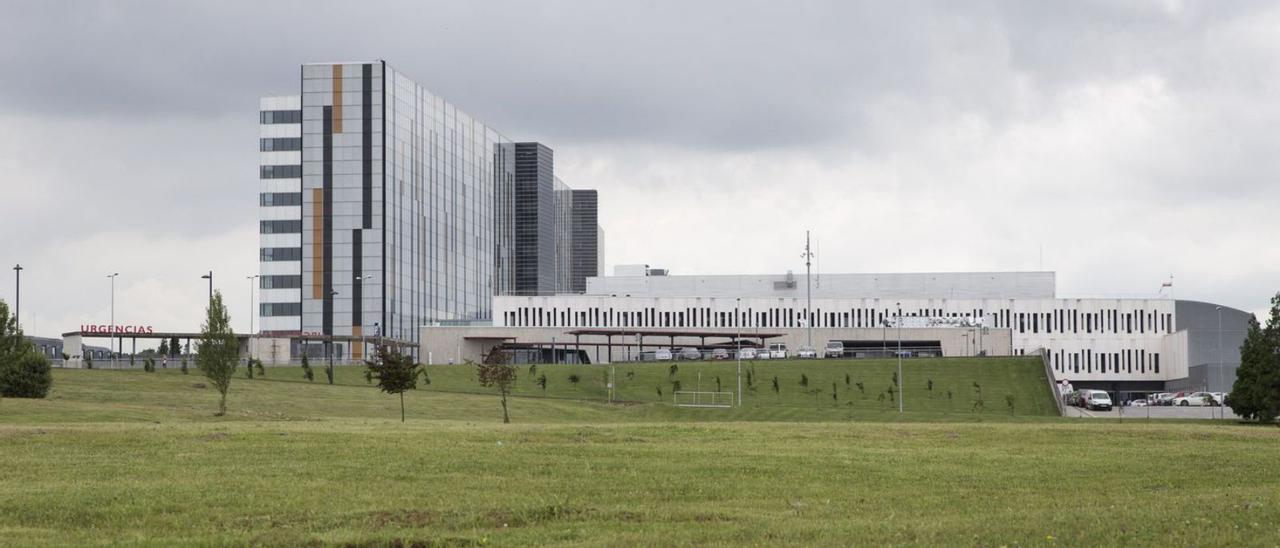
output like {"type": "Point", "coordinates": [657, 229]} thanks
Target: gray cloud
{"type": "Point", "coordinates": [1130, 139]}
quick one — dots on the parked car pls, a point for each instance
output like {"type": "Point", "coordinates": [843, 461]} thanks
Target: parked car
{"type": "Point", "coordinates": [747, 353]}
{"type": "Point", "coordinates": [1097, 400]}
{"type": "Point", "coordinates": [778, 351]}
{"type": "Point", "coordinates": [806, 353]}
{"type": "Point", "coordinates": [1219, 398]}
{"type": "Point", "coordinates": [1198, 399]}
{"type": "Point", "coordinates": [762, 354]}
{"type": "Point", "coordinates": [835, 349]}
{"type": "Point", "coordinates": [690, 353]}
{"type": "Point", "coordinates": [1161, 398]}
{"type": "Point", "coordinates": [719, 354]}
{"type": "Point", "coordinates": [662, 355]}
{"type": "Point", "coordinates": [1138, 403]}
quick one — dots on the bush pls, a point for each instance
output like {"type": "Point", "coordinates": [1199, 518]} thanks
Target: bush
{"type": "Point", "coordinates": [307, 373]}
{"type": "Point", "coordinates": [931, 385]}
{"type": "Point", "coordinates": [574, 378]}
{"type": "Point", "coordinates": [861, 388]}
{"type": "Point", "coordinates": [671, 371]}
{"type": "Point", "coordinates": [262, 371]}
{"type": "Point", "coordinates": [542, 381]}
{"type": "Point", "coordinates": [29, 376]}
{"type": "Point", "coordinates": [675, 385]}
{"type": "Point", "coordinates": [804, 380]}
{"type": "Point", "coordinates": [775, 385]}
{"type": "Point", "coordinates": [184, 366]}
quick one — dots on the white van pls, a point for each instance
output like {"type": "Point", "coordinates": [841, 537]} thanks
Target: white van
{"type": "Point", "coordinates": [778, 351]}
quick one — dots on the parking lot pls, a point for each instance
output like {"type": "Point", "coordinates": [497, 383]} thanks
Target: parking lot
{"type": "Point", "coordinates": [1155, 412]}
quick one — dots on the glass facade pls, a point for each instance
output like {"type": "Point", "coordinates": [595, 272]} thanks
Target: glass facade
{"type": "Point", "coordinates": [407, 212]}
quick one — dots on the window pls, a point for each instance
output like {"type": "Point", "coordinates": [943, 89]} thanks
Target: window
{"type": "Point", "coordinates": [280, 116]}
{"type": "Point", "coordinates": [281, 309]}
{"type": "Point", "coordinates": [281, 282]}
{"type": "Point", "coordinates": [281, 227]}
{"type": "Point", "coordinates": [280, 199]}
{"type": "Point", "coordinates": [269, 254]}
{"type": "Point", "coordinates": [281, 172]}
{"type": "Point", "coordinates": [279, 143]}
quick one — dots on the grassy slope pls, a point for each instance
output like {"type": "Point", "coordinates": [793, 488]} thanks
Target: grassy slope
{"type": "Point", "coordinates": [129, 457]}
{"type": "Point", "coordinates": [1022, 378]}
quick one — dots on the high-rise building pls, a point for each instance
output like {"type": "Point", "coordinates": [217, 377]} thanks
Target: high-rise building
{"type": "Point", "coordinates": [584, 253]}
{"type": "Point", "coordinates": [385, 208]}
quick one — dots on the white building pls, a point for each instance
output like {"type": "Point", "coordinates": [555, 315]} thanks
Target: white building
{"type": "Point", "coordinates": [1117, 344]}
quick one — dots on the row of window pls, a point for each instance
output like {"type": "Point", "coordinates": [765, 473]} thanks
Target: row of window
{"type": "Point", "coordinates": [280, 116]}
{"type": "Point", "coordinates": [281, 172]}
{"type": "Point", "coordinates": [280, 198]}
{"type": "Point", "coordinates": [272, 144]}
{"type": "Point", "coordinates": [1127, 361]}
{"type": "Point", "coordinates": [1059, 321]}
{"type": "Point", "coordinates": [269, 254]}
{"type": "Point", "coordinates": [287, 281]}
{"type": "Point", "coordinates": [281, 227]}
{"type": "Point", "coordinates": [281, 309]}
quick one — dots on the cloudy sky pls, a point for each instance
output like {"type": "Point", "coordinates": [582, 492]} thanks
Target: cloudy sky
{"type": "Point", "coordinates": [1116, 143]}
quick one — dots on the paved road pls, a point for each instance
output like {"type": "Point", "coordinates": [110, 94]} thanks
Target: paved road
{"type": "Point", "coordinates": [1161, 412]}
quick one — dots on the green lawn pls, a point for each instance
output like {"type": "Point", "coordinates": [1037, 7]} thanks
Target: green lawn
{"type": "Point", "coordinates": [136, 458]}
{"type": "Point", "coordinates": [953, 391]}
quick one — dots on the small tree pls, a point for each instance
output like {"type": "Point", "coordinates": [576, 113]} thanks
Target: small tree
{"type": "Point", "coordinates": [494, 371]}
{"type": "Point", "coordinates": [542, 382]}
{"type": "Point", "coordinates": [862, 389]}
{"type": "Point", "coordinates": [1009, 401]}
{"type": "Point", "coordinates": [671, 371]}
{"type": "Point", "coordinates": [1255, 395]}
{"type": "Point", "coordinates": [931, 385]}
{"type": "Point", "coordinates": [164, 347]}
{"type": "Point", "coordinates": [804, 380]}
{"type": "Point", "coordinates": [217, 354]}
{"type": "Point", "coordinates": [307, 372]}
{"type": "Point", "coordinates": [834, 397]}
{"type": "Point", "coordinates": [394, 372]}
{"type": "Point", "coordinates": [184, 365]}
{"type": "Point", "coordinates": [262, 371]}
{"type": "Point", "coordinates": [24, 373]}
{"type": "Point", "coordinates": [574, 378]}
{"type": "Point", "coordinates": [88, 360]}
{"type": "Point", "coordinates": [775, 385]}
{"type": "Point", "coordinates": [847, 379]}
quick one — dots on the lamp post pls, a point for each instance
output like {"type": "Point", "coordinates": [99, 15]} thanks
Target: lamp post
{"type": "Point", "coordinates": [737, 341]}
{"type": "Point", "coordinates": [1223, 413]}
{"type": "Point", "coordinates": [332, 294]}
{"type": "Point", "coordinates": [17, 295]}
{"type": "Point", "coordinates": [251, 313]}
{"type": "Point", "coordinates": [113, 316]}
{"type": "Point", "coordinates": [364, 348]}
{"type": "Point", "coordinates": [808, 290]}
{"type": "Point", "coordinates": [209, 277]}
{"type": "Point", "coordinates": [899, 358]}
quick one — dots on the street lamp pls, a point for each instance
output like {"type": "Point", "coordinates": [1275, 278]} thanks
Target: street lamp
{"type": "Point", "coordinates": [738, 342]}
{"type": "Point", "coordinates": [209, 277]}
{"type": "Point", "coordinates": [17, 295]}
{"type": "Point", "coordinates": [899, 358]}
{"type": "Point", "coordinates": [1223, 413]}
{"type": "Point", "coordinates": [332, 294]}
{"type": "Point", "coordinates": [808, 290]}
{"type": "Point", "coordinates": [251, 313]}
{"type": "Point", "coordinates": [113, 315]}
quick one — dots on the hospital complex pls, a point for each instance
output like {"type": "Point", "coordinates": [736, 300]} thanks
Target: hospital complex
{"type": "Point", "coordinates": [388, 213]}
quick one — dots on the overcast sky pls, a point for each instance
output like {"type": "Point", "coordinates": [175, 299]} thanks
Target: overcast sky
{"type": "Point", "coordinates": [1115, 143]}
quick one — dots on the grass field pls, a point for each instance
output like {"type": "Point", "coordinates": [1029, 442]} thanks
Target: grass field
{"type": "Point", "coordinates": [126, 457]}
{"type": "Point", "coordinates": [953, 391]}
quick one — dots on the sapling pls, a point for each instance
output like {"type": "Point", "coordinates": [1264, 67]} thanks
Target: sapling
{"type": "Point", "coordinates": [659, 392]}
{"type": "Point", "coordinates": [574, 378]}
{"type": "Point", "coordinates": [542, 382]}
{"type": "Point", "coordinates": [495, 372]}
{"type": "Point", "coordinates": [804, 380]}
{"type": "Point", "coordinates": [931, 385]}
{"type": "Point", "coordinates": [183, 367]}
{"type": "Point", "coordinates": [671, 371]}
{"type": "Point", "coordinates": [675, 385]}
{"type": "Point", "coordinates": [847, 379]}
{"type": "Point", "coordinates": [775, 384]}
{"type": "Point", "coordinates": [533, 370]}
{"type": "Point", "coordinates": [861, 388]}
{"type": "Point", "coordinates": [1008, 400]}
{"type": "Point", "coordinates": [833, 391]}
{"type": "Point", "coordinates": [717, 383]}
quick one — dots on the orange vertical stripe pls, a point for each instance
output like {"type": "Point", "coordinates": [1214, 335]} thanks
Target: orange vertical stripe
{"type": "Point", "coordinates": [337, 98]}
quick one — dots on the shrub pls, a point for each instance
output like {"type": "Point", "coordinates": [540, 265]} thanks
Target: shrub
{"type": "Point", "coordinates": [775, 385]}
{"type": "Point", "coordinates": [1008, 400]}
{"type": "Point", "coordinates": [184, 366]}
{"type": "Point", "coordinates": [533, 370]}
{"type": "Point", "coordinates": [368, 379]}
{"type": "Point", "coordinates": [861, 389]}
{"type": "Point", "coordinates": [717, 383]}
{"type": "Point", "coordinates": [892, 392]}
{"type": "Point", "coordinates": [847, 379]}
{"type": "Point", "coordinates": [804, 380]}
{"type": "Point", "coordinates": [659, 392]}
{"type": "Point", "coordinates": [948, 395]}
{"type": "Point", "coordinates": [542, 382]}
{"type": "Point", "coordinates": [149, 364]}
{"type": "Point", "coordinates": [88, 361]}
{"type": "Point", "coordinates": [833, 391]}
{"type": "Point", "coordinates": [631, 375]}
{"type": "Point", "coordinates": [671, 371]}
{"type": "Point", "coordinates": [307, 373]}
{"type": "Point", "coordinates": [675, 385]}
{"type": "Point", "coordinates": [261, 369]}
{"type": "Point", "coordinates": [750, 378]}
{"type": "Point", "coordinates": [575, 379]}
{"type": "Point", "coordinates": [931, 385]}
{"type": "Point", "coordinates": [28, 376]}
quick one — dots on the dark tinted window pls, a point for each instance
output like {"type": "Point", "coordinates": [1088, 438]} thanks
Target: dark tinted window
{"type": "Point", "coordinates": [280, 116]}
{"type": "Point", "coordinates": [280, 143]}
{"type": "Point", "coordinates": [281, 227]}
{"type": "Point", "coordinates": [280, 198]}
{"type": "Point", "coordinates": [281, 282]}
{"type": "Point", "coordinates": [281, 309]}
{"type": "Point", "coordinates": [281, 172]}
{"type": "Point", "coordinates": [280, 254]}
